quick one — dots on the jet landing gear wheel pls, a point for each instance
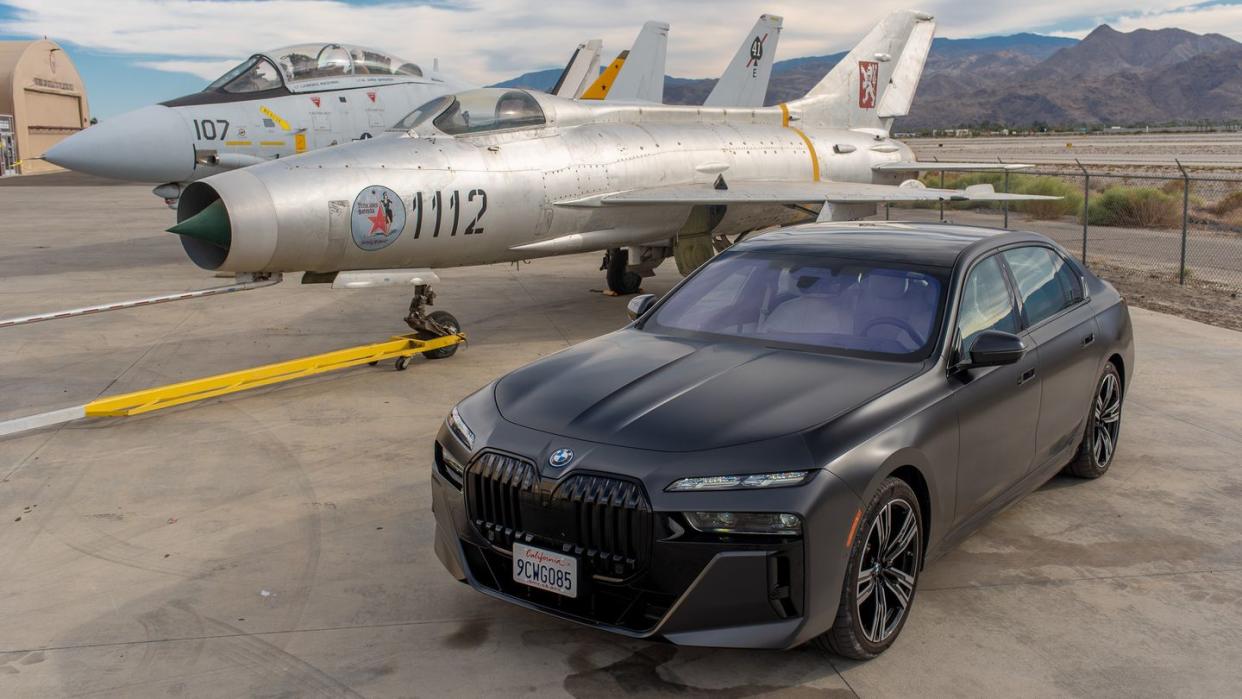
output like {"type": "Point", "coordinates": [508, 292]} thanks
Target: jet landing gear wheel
{"type": "Point", "coordinates": [428, 326]}
{"type": "Point", "coordinates": [621, 281]}
{"type": "Point", "coordinates": [1099, 443]}
{"type": "Point", "coordinates": [882, 575]}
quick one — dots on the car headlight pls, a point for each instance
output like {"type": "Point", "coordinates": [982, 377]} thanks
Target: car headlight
{"type": "Point", "coordinates": [459, 428]}
{"type": "Point", "coordinates": [779, 523]}
{"type": "Point", "coordinates": [759, 480]}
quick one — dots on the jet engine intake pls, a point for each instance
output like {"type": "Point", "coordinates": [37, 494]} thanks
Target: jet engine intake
{"type": "Point", "coordinates": [227, 222]}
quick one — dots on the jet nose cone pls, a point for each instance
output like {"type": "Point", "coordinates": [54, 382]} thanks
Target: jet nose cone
{"type": "Point", "coordinates": [152, 144]}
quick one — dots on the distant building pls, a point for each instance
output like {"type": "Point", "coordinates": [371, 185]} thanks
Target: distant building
{"type": "Point", "coordinates": [44, 96]}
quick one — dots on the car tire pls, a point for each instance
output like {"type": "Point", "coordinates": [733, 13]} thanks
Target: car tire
{"type": "Point", "coordinates": [866, 625]}
{"type": "Point", "coordinates": [1099, 441]}
{"type": "Point", "coordinates": [445, 320]}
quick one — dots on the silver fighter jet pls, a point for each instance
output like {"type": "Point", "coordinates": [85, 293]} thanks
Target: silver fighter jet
{"type": "Point", "coordinates": [494, 175]}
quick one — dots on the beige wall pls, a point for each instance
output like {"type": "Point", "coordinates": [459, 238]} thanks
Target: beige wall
{"type": "Point", "coordinates": [41, 88]}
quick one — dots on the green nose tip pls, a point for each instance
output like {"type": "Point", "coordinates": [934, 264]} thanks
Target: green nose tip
{"type": "Point", "coordinates": [210, 225]}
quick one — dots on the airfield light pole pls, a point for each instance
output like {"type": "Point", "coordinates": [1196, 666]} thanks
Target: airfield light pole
{"type": "Point", "coordinates": [1181, 270]}
{"type": "Point", "coordinates": [1086, 200]}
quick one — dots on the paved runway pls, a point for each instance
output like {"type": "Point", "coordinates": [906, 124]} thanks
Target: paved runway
{"type": "Point", "coordinates": [1211, 256]}
{"type": "Point", "coordinates": [279, 543]}
{"type": "Point", "coordinates": [1157, 150]}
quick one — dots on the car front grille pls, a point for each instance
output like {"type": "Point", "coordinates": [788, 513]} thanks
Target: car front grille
{"type": "Point", "coordinates": [605, 521]}
{"type": "Point", "coordinates": [495, 486]}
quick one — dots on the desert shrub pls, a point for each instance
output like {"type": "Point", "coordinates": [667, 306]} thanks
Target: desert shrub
{"type": "Point", "coordinates": [1231, 204]}
{"type": "Point", "coordinates": [1070, 203]}
{"type": "Point", "coordinates": [1174, 187]}
{"type": "Point", "coordinates": [1177, 188]}
{"type": "Point", "coordinates": [1137, 207]}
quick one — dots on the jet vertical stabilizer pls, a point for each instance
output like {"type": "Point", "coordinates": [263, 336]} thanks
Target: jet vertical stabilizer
{"type": "Point", "coordinates": [745, 81]}
{"type": "Point", "coordinates": [642, 76]}
{"type": "Point", "coordinates": [580, 72]}
{"type": "Point", "coordinates": [876, 81]}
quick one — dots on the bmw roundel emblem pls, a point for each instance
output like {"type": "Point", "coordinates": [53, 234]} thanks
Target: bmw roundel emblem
{"type": "Point", "coordinates": [561, 457]}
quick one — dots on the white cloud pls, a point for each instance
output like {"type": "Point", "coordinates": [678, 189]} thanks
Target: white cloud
{"type": "Point", "coordinates": [489, 40]}
{"type": "Point", "coordinates": [207, 70]}
{"type": "Point", "coordinates": [1219, 19]}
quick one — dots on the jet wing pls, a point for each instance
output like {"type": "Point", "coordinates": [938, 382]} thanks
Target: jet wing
{"type": "Point", "coordinates": [581, 71]}
{"type": "Point", "coordinates": [745, 81]}
{"type": "Point", "coordinates": [923, 166]}
{"type": "Point", "coordinates": [742, 193]}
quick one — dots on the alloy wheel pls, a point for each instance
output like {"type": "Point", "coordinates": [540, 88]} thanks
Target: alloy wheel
{"type": "Point", "coordinates": [887, 570]}
{"type": "Point", "coordinates": [1107, 413]}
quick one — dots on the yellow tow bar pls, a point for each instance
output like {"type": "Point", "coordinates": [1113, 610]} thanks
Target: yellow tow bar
{"type": "Point", "coordinates": [400, 347]}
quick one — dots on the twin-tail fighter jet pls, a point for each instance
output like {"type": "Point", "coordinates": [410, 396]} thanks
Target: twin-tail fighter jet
{"type": "Point", "coordinates": [273, 105]}
{"type": "Point", "coordinates": [493, 175]}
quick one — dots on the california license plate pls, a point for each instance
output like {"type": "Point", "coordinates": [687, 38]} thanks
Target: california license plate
{"type": "Point", "coordinates": [546, 570]}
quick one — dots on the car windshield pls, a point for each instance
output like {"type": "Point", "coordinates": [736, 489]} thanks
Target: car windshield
{"type": "Point", "coordinates": [835, 304]}
{"type": "Point", "coordinates": [490, 109]}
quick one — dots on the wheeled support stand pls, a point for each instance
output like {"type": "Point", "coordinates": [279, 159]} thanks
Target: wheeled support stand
{"type": "Point", "coordinates": [427, 326]}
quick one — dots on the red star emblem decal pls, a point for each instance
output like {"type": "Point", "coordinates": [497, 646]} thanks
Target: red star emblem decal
{"type": "Point", "coordinates": [378, 222]}
{"type": "Point", "coordinates": [371, 95]}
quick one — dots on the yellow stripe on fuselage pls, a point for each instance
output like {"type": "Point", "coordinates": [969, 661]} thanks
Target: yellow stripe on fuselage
{"type": "Point", "coordinates": [271, 143]}
{"type": "Point", "coordinates": [805, 139]}
{"type": "Point", "coordinates": [599, 89]}
{"type": "Point", "coordinates": [274, 117]}
{"type": "Point", "coordinates": [237, 143]}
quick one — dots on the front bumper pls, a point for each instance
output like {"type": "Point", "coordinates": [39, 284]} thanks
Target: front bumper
{"type": "Point", "coordinates": [684, 587]}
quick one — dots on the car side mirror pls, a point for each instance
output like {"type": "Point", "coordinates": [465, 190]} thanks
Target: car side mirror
{"type": "Point", "coordinates": [639, 305]}
{"type": "Point", "coordinates": [995, 348]}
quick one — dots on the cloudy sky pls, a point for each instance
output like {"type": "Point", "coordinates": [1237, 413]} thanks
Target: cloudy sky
{"type": "Point", "coordinates": [133, 52]}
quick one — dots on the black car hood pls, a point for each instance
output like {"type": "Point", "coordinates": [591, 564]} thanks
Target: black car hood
{"type": "Point", "coordinates": [636, 389]}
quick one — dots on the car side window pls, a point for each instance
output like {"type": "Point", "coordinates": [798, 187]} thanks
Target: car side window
{"type": "Point", "coordinates": [1046, 283]}
{"type": "Point", "coordinates": [986, 303]}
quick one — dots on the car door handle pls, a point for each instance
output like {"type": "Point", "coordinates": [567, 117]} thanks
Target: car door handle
{"type": "Point", "coordinates": [1086, 341]}
{"type": "Point", "coordinates": [1026, 376]}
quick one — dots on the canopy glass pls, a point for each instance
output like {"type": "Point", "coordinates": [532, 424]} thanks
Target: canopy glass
{"type": "Point", "coordinates": [294, 64]}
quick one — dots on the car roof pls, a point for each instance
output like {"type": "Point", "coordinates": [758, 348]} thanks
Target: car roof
{"type": "Point", "coordinates": [934, 244]}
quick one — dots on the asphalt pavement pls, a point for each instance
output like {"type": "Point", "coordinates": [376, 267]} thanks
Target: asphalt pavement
{"type": "Point", "coordinates": [279, 542]}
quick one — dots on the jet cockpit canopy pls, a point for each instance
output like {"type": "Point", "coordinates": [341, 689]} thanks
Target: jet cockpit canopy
{"type": "Point", "coordinates": [310, 66]}
{"type": "Point", "coordinates": [477, 111]}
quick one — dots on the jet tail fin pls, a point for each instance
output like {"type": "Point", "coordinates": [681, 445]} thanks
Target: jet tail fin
{"type": "Point", "coordinates": [581, 71]}
{"type": "Point", "coordinates": [876, 81]}
{"type": "Point", "coordinates": [745, 81]}
{"type": "Point", "coordinates": [641, 78]}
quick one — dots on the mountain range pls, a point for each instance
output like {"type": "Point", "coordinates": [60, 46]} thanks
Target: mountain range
{"type": "Point", "coordinates": [1109, 78]}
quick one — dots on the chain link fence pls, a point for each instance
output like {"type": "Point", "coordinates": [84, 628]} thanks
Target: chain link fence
{"type": "Point", "coordinates": [1179, 227]}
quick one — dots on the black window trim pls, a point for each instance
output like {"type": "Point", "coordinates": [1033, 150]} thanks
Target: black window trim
{"type": "Point", "coordinates": [1014, 303]}
{"type": "Point", "coordinates": [1024, 321]}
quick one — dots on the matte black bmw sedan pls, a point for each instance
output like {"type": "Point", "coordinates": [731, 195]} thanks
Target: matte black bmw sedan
{"type": "Point", "coordinates": [769, 454]}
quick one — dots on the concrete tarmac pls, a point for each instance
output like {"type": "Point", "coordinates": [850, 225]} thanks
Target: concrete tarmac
{"type": "Point", "coordinates": [279, 542]}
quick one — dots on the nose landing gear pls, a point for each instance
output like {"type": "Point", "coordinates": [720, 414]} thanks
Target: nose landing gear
{"type": "Point", "coordinates": [427, 326]}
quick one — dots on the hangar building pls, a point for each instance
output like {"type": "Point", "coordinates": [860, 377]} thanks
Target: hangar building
{"type": "Point", "coordinates": [44, 100]}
